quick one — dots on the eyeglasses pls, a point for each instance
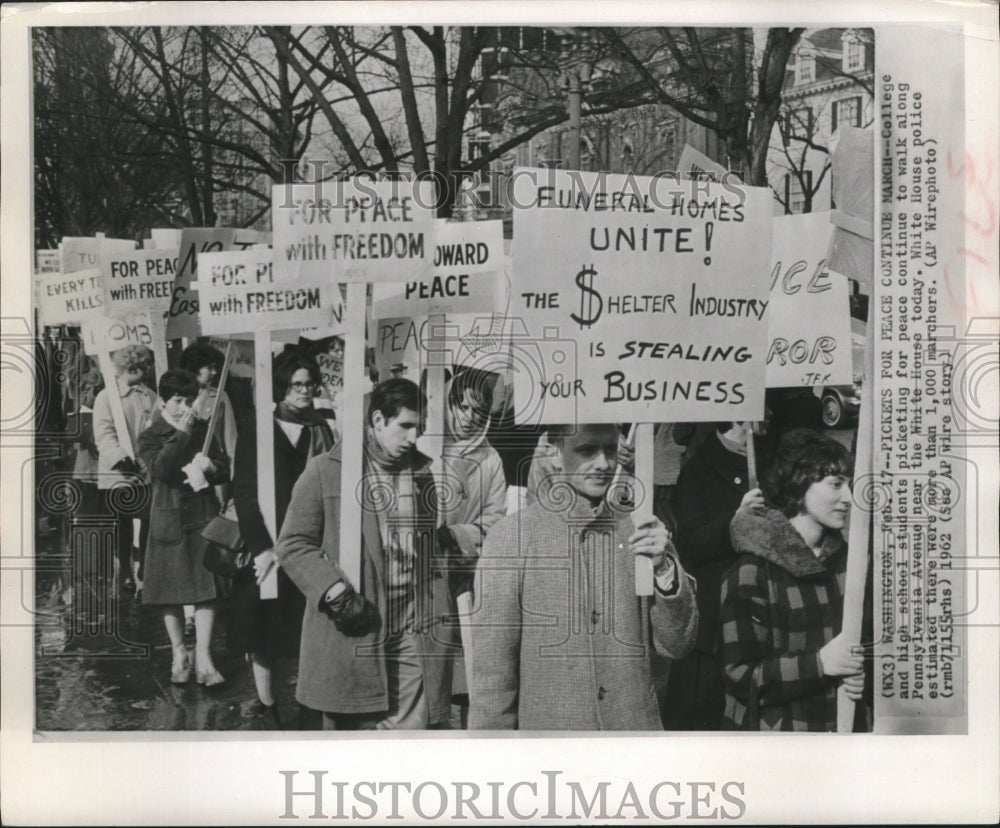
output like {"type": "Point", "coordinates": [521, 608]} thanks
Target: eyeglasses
{"type": "Point", "coordinates": [303, 386]}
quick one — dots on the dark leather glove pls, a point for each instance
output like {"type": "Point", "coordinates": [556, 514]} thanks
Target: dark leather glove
{"type": "Point", "coordinates": [352, 613]}
{"type": "Point", "coordinates": [447, 544]}
{"type": "Point", "coordinates": [126, 466]}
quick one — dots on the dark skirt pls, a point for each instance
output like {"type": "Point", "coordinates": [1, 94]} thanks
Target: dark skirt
{"type": "Point", "coordinates": [271, 628]}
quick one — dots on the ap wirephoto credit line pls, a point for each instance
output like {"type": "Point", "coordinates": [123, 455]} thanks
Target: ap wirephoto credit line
{"type": "Point", "coordinates": [565, 422]}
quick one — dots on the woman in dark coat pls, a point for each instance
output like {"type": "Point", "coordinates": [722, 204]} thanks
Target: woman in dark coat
{"type": "Point", "coordinates": [175, 573]}
{"type": "Point", "coordinates": [270, 629]}
{"type": "Point", "coordinates": [782, 601]}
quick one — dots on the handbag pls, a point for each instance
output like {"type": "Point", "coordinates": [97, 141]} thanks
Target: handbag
{"type": "Point", "coordinates": [226, 552]}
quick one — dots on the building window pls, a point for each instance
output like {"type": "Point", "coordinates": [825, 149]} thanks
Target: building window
{"type": "Point", "coordinates": [846, 112]}
{"type": "Point", "coordinates": [478, 147]}
{"type": "Point", "coordinates": [798, 123]}
{"type": "Point", "coordinates": [805, 69]}
{"type": "Point", "coordinates": [795, 193]}
{"type": "Point", "coordinates": [854, 56]}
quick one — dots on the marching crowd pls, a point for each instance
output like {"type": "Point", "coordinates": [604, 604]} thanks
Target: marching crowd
{"type": "Point", "coordinates": [527, 618]}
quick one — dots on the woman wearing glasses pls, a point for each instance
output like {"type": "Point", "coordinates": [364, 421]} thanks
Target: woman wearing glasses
{"type": "Point", "coordinates": [269, 629]}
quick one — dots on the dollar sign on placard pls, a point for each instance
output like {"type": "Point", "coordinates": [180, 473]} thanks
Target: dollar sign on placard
{"type": "Point", "coordinates": [588, 314]}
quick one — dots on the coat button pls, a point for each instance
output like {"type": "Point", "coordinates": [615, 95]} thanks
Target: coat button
{"type": "Point", "coordinates": [601, 693]}
{"type": "Point", "coordinates": [594, 616]}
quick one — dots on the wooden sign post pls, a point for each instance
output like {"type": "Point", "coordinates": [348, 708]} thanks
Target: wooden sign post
{"type": "Point", "coordinates": [353, 232]}
{"type": "Point", "coordinates": [851, 253]}
{"type": "Point", "coordinates": [467, 277]}
{"type": "Point", "coordinates": [238, 293]}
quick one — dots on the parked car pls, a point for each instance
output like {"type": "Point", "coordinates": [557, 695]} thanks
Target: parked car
{"type": "Point", "coordinates": [841, 403]}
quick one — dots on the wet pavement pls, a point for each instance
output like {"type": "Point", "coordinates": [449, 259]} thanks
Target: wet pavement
{"type": "Point", "coordinates": [102, 660]}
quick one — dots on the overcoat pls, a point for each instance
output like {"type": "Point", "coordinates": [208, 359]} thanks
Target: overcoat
{"type": "Point", "coordinates": [780, 605]}
{"type": "Point", "coordinates": [346, 674]}
{"type": "Point", "coordinates": [271, 627]}
{"type": "Point", "coordinates": [175, 572]}
{"type": "Point", "coordinates": [562, 641]}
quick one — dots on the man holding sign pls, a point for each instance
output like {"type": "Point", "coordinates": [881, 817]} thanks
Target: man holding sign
{"type": "Point", "coordinates": [561, 638]}
{"type": "Point", "coordinates": [376, 654]}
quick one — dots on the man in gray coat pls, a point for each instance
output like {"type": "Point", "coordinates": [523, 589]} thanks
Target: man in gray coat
{"type": "Point", "coordinates": [378, 654]}
{"type": "Point", "coordinates": [562, 641]}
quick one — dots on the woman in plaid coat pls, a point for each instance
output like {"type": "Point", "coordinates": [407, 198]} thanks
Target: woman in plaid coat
{"type": "Point", "coordinates": [782, 600]}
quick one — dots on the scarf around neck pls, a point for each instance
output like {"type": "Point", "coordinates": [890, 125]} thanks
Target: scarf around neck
{"type": "Point", "coordinates": [316, 436]}
{"type": "Point", "coordinates": [390, 493]}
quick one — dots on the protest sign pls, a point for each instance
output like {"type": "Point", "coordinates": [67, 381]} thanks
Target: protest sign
{"type": "Point", "coordinates": [645, 299]}
{"type": "Point", "coordinates": [361, 230]}
{"type": "Point", "coordinates": [84, 252]}
{"type": "Point", "coordinates": [100, 332]}
{"type": "Point", "coordinates": [242, 355]}
{"type": "Point", "coordinates": [139, 280]}
{"type": "Point", "coordinates": [809, 321]}
{"type": "Point", "coordinates": [165, 238]}
{"type": "Point", "coordinates": [182, 316]}
{"type": "Point", "coordinates": [46, 261]}
{"type": "Point", "coordinates": [470, 340]}
{"type": "Point", "coordinates": [694, 164]}
{"type": "Point", "coordinates": [238, 293]}
{"type": "Point", "coordinates": [467, 275]}
{"type": "Point", "coordinates": [69, 297]}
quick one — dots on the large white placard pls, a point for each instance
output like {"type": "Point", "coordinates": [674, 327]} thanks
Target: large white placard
{"type": "Point", "coordinates": [358, 230]}
{"type": "Point", "coordinates": [645, 298]}
{"type": "Point", "coordinates": [468, 274]}
{"type": "Point", "coordinates": [65, 298]}
{"type": "Point", "coordinates": [238, 293]}
{"type": "Point", "coordinates": [809, 321]}
{"type": "Point", "coordinates": [139, 280]}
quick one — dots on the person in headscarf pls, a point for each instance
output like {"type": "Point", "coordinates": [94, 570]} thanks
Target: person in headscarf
{"type": "Point", "coordinates": [376, 654]}
{"type": "Point", "coordinates": [265, 630]}
{"type": "Point", "coordinates": [474, 498]}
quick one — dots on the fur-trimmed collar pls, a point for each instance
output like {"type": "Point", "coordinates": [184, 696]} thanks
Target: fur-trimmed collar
{"type": "Point", "coordinates": [768, 534]}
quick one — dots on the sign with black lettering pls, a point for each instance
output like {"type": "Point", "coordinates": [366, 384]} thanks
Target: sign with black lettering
{"type": "Point", "coordinates": [46, 261]}
{"type": "Point", "coordinates": [103, 333]}
{"type": "Point", "coordinates": [473, 341]}
{"type": "Point", "coordinates": [65, 298]}
{"type": "Point", "coordinates": [238, 294]}
{"type": "Point", "coordinates": [809, 324]}
{"type": "Point", "coordinates": [468, 274]}
{"type": "Point", "coordinates": [655, 289]}
{"type": "Point", "coordinates": [139, 280]}
{"type": "Point", "coordinates": [359, 230]}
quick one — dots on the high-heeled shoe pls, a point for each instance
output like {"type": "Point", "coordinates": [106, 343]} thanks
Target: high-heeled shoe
{"type": "Point", "coordinates": [272, 721]}
{"type": "Point", "coordinates": [180, 671]}
{"type": "Point", "coordinates": [209, 678]}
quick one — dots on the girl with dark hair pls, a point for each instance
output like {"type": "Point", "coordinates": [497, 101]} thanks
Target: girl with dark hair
{"type": "Point", "coordinates": [782, 600]}
{"type": "Point", "coordinates": [268, 629]}
{"type": "Point", "coordinates": [175, 571]}
{"type": "Point", "coordinates": [205, 362]}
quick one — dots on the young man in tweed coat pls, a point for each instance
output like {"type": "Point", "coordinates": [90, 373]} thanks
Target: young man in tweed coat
{"type": "Point", "coordinates": [561, 637]}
